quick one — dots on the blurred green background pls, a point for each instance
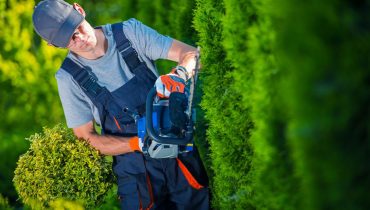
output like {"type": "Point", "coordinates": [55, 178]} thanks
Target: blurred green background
{"type": "Point", "coordinates": [284, 95]}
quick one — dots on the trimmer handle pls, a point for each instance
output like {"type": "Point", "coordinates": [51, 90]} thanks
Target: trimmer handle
{"type": "Point", "coordinates": [153, 134]}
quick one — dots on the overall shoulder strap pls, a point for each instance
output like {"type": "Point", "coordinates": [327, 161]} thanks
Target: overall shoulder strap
{"type": "Point", "coordinates": [98, 95]}
{"type": "Point", "coordinates": [125, 48]}
{"type": "Point", "coordinates": [84, 79]}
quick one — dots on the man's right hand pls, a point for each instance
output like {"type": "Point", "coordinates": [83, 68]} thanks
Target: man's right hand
{"type": "Point", "coordinates": [188, 62]}
{"type": "Point", "coordinates": [135, 144]}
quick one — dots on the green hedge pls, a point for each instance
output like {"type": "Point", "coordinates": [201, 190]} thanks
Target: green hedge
{"type": "Point", "coordinates": [298, 92]}
{"type": "Point", "coordinates": [228, 125]}
{"type": "Point", "coordinates": [324, 47]}
{"type": "Point", "coordinates": [181, 15]}
{"type": "Point", "coordinates": [274, 183]}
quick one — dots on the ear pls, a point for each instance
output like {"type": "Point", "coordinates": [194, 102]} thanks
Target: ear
{"type": "Point", "coordinates": [79, 9]}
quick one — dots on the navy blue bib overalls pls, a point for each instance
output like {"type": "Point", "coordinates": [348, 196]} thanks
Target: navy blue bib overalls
{"type": "Point", "coordinates": [143, 182]}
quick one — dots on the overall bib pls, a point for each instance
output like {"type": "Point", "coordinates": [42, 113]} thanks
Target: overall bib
{"type": "Point", "coordinates": [143, 182]}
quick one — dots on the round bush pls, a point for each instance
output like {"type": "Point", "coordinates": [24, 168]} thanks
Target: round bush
{"type": "Point", "coordinates": [57, 165]}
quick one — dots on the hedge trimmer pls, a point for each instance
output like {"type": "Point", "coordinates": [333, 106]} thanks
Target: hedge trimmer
{"type": "Point", "coordinates": [168, 126]}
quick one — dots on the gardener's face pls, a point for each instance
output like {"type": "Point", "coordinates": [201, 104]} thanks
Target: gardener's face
{"type": "Point", "coordinates": [83, 39]}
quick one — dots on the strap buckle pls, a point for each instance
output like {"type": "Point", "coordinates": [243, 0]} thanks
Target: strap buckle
{"type": "Point", "coordinates": [123, 47]}
{"type": "Point", "coordinates": [91, 85]}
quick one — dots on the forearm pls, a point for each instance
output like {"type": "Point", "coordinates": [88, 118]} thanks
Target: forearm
{"type": "Point", "coordinates": [105, 144]}
{"type": "Point", "coordinates": [178, 50]}
{"type": "Point", "coordinates": [186, 56]}
{"type": "Point", "coordinates": [109, 145]}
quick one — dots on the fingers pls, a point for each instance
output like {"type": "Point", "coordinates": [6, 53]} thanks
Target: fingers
{"type": "Point", "coordinates": [189, 62]}
{"type": "Point", "coordinates": [188, 57]}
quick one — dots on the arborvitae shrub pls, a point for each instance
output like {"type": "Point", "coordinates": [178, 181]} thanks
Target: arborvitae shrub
{"type": "Point", "coordinates": [229, 126]}
{"type": "Point", "coordinates": [324, 48]}
{"type": "Point", "coordinates": [57, 165]}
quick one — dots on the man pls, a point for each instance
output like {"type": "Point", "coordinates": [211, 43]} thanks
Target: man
{"type": "Point", "coordinates": [105, 77]}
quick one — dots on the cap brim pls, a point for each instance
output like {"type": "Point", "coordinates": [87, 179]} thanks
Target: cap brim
{"type": "Point", "coordinates": [66, 31]}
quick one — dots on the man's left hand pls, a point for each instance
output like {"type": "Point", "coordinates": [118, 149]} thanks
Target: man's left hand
{"type": "Point", "coordinates": [166, 84]}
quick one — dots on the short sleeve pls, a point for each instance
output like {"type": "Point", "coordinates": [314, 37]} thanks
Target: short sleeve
{"type": "Point", "coordinates": [77, 110]}
{"type": "Point", "coordinates": [153, 44]}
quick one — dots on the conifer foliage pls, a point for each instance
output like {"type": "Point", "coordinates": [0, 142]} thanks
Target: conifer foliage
{"type": "Point", "coordinates": [228, 119]}
{"type": "Point", "coordinates": [324, 50]}
{"type": "Point", "coordinates": [286, 94]}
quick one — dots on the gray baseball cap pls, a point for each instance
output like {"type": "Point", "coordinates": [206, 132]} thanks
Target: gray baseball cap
{"type": "Point", "coordinates": [55, 21]}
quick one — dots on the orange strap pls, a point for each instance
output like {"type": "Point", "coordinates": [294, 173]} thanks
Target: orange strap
{"type": "Point", "coordinates": [188, 176]}
{"type": "Point", "coordinates": [134, 144]}
{"type": "Point", "coordinates": [150, 192]}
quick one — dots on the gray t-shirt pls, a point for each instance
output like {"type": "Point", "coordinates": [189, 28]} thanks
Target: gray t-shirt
{"type": "Point", "coordinates": [110, 70]}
